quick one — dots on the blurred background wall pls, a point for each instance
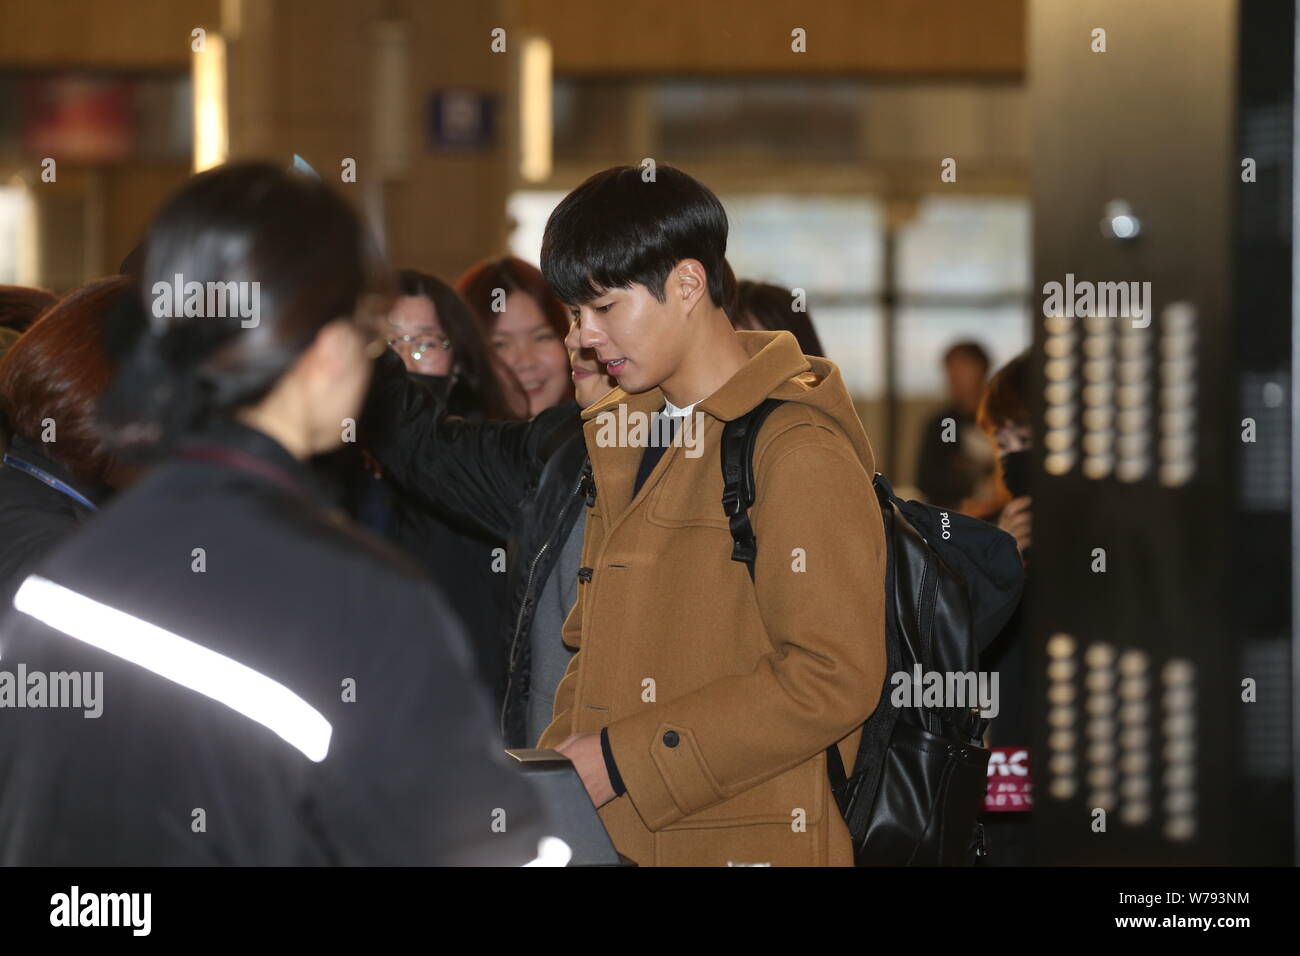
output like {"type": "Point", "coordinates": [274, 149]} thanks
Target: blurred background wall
{"type": "Point", "coordinates": [822, 126]}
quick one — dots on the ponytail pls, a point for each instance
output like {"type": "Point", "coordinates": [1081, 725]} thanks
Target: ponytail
{"type": "Point", "coordinates": [154, 396]}
{"type": "Point", "coordinates": [300, 246]}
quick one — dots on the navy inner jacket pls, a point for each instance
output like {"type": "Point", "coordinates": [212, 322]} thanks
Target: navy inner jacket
{"type": "Point", "coordinates": [35, 517]}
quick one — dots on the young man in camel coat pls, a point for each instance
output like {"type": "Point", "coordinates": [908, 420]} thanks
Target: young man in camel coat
{"type": "Point", "coordinates": [699, 705]}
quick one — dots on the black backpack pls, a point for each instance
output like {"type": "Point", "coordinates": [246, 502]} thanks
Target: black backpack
{"type": "Point", "coordinates": [917, 785]}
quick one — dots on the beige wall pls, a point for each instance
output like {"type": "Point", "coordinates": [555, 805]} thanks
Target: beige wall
{"type": "Point", "coordinates": [301, 78]}
{"type": "Point", "coordinates": [449, 210]}
{"type": "Point", "coordinates": [91, 216]}
{"type": "Point", "coordinates": [881, 37]}
{"type": "Point", "coordinates": [105, 34]}
{"type": "Point", "coordinates": [302, 75]}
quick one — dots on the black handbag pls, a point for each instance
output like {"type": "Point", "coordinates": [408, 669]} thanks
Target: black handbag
{"type": "Point", "coordinates": [917, 785]}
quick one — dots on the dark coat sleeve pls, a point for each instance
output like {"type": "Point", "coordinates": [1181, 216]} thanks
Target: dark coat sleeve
{"type": "Point", "coordinates": [417, 774]}
{"type": "Point", "coordinates": [474, 473]}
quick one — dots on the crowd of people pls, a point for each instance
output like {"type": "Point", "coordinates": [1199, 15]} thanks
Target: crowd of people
{"type": "Point", "coordinates": [332, 562]}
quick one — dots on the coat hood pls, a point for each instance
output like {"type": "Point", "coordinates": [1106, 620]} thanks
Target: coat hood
{"type": "Point", "coordinates": [776, 369]}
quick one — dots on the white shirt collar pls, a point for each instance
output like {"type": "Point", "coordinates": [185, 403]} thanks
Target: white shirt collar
{"type": "Point", "coordinates": [672, 411]}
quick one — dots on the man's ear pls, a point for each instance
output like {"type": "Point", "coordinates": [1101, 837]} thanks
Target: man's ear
{"type": "Point", "coordinates": [689, 283]}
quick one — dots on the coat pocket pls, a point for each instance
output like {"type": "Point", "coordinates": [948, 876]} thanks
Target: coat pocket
{"type": "Point", "coordinates": [797, 797]}
{"type": "Point", "coordinates": [780, 822]}
{"type": "Point", "coordinates": [690, 495]}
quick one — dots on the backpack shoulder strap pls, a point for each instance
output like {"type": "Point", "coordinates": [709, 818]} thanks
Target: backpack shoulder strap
{"type": "Point", "coordinates": [739, 437]}
{"type": "Point", "coordinates": [855, 795]}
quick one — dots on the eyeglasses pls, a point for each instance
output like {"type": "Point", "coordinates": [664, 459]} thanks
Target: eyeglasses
{"type": "Point", "coordinates": [422, 345]}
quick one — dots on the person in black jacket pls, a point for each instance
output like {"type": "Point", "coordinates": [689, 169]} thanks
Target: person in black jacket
{"type": "Point", "coordinates": [438, 339]}
{"type": "Point", "coordinates": [273, 685]}
{"type": "Point", "coordinates": [1004, 417]}
{"type": "Point", "coordinates": [56, 471]}
{"type": "Point", "coordinates": [519, 482]}
{"type": "Point", "coordinates": [954, 458]}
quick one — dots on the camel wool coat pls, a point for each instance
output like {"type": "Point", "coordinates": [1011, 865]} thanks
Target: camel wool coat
{"type": "Point", "coordinates": [721, 695]}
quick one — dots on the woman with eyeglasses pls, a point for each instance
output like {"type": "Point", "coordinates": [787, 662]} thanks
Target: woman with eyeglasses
{"type": "Point", "coordinates": [277, 687]}
{"type": "Point", "coordinates": [440, 343]}
{"type": "Point", "coordinates": [433, 331]}
{"type": "Point", "coordinates": [518, 481]}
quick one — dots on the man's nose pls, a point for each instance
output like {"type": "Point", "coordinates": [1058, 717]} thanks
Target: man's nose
{"type": "Point", "coordinates": [591, 336]}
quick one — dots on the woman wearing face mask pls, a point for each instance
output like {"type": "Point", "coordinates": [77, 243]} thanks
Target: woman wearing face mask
{"type": "Point", "coordinates": [267, 667]}
{"type": "Point", "coordinates": [519, 482]}
{"type": "Point", "coordinates": [525, 324]}
{"type": "Point", "coordinates": [435, 333]}
{"type": "Point", "coordinates": [1003, 415]}
{"type": "Point", "coordinates": [438, 340]}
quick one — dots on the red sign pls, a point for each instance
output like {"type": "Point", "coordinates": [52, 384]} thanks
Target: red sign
{"type": "Point", "coordinates": [1010, 785]}
{"type": "Point", "coordinates": [80, 118]}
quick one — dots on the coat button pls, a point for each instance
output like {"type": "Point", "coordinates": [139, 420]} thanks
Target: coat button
{"type": "Point", "coordinates": [671, 739]}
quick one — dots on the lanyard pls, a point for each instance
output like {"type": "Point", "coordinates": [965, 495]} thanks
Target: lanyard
{"type": "Point", "coordinates": [41, 474]}
{"type": "Point", "coordinates": [243, 462]}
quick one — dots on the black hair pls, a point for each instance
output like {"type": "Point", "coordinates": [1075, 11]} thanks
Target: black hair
{"type": "Point", "coordinates": [312, 261]}
{"type": "Point", "coordinates": [771, 307]}
{"type": "Point", "coordinates": [1006, 397]}
{"type": "Point", "coordinates": [618, 229]}
{"type": "Point", "coordinates": [970, 349]}
{"type": "Point", "coordinates": [476, 388]}
{"type": "Point", "coordinates": [730, 292]}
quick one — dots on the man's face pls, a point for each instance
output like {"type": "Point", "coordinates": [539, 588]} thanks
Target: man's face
{"type": "Point", "coordinates": [637, 339]}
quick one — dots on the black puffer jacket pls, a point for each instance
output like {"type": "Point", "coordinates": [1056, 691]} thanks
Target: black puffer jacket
{"type": "Point", "coordinates": [457, 556]}
{"type": "Point", "coordinates": [518, 482]}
